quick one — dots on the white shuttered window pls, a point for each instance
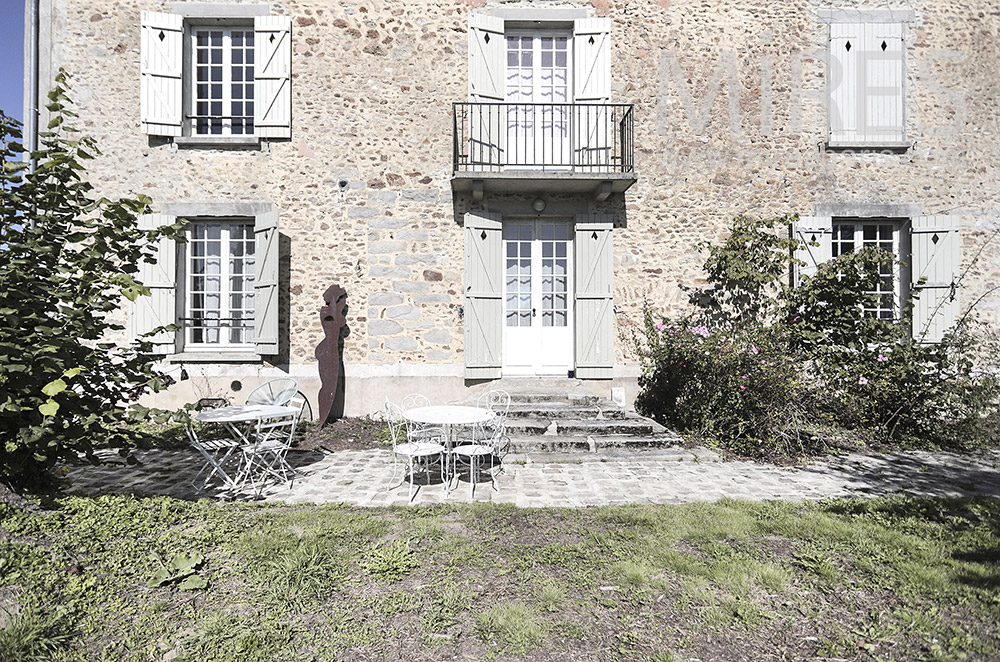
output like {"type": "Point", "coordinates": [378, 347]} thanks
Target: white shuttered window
{"type": "Point", "coordinates": [865, 84]}
{"type": "Point", "coordinates": [216, 77]}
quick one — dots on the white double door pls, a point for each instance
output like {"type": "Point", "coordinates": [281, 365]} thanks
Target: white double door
{"type": "Point", "coordinates": [538, 89]}
{"type": "Point", "coordinates": [538, 298]}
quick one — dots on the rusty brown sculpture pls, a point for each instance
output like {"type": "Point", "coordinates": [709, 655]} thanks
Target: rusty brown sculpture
{"type": "Point", "coordinates": [329, 352]}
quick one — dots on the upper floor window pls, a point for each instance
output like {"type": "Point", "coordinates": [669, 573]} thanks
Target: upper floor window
{"type": "Point", "coordinates": [222, 95]}
{"type": "Point", "coordinates": [216, 79]}
{"type": "Point", "coordinates": [865, 85]}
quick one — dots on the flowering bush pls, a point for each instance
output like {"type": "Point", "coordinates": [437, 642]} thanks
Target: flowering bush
{"type": "Point", "coordinates": [758, 361]}
{"type": "Point", "coordinates": [737, 386]}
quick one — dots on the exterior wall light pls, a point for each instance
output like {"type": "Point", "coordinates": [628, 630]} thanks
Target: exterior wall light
{"type": "Point", "coordinates": [538, 205]}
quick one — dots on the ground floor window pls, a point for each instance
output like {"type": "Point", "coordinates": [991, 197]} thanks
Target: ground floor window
{"type": "Point", "coordinates": [854, 234]}
{"type": "Point", "coordinates": [219, 300]}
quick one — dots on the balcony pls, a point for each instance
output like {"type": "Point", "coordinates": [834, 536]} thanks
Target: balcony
{"type": "Point", "coordinates": [543, 148]}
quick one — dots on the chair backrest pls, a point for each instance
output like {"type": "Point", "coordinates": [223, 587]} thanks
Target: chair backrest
{"type": "Point", "coordinates": [397, 423]}
{"type": "Point", "coordinates": [414, 400]}
{"type": "Point", "coordinates": [496, 401]}
{"type": "Point", "coordinates": [298, 402]}
{"type": "Point", "coordinates": [276, 430]}
{"type": "Point", "coordinates": [274, 392]}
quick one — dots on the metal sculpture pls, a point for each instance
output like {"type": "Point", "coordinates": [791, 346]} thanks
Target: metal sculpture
{"type": "Point", "coordinates": [329, 352]}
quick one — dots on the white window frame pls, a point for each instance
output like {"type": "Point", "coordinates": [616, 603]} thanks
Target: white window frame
{"type": "Point", "coordinates": [225, 310]}
{"type": "Point", "coordinates": [191, 83]}
{"type": "Point", "coordinates": [899, 246]}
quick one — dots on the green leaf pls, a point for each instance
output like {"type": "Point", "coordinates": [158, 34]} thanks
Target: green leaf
{"type": "Point", "coordinates": [186, 561]}
{"type": "Point", "coordinates": [159, 578]}
{"type": "Point", "coordinates": [72, 372]}
{"type": "Point", "coordinates": [55, 387]}
{"type": "Point", "coordinates": [193, 583]}
{"type": "Point", "coordinates": [49, 408]}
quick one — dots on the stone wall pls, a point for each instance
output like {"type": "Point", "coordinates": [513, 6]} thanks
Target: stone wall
{"type": "Point", "coordinates": [363, 185]}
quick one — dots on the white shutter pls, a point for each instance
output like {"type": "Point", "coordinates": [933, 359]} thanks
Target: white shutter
{"type": "Point", "coordinates": [811, 230]}
{"type": "Point", "coordinates": [865, 83]}
{"type": "Point", "coordinates": [272, 76]}
{"type": "Point", "coordinates": [483, 295]}
{"type": "Point", "coordinates": [842, 81]}
{"type": "Point", "coordinates": [935, 268]}
{"type": "Point", "coordinates": [160, 308]}
{"type": "Point", "coordinates": [161, 73]}
{"type": "Point", "coordinates": [486, 125]}
{"type": "Point", "coordinates": [883, 81]}
{"type": "Point", "coordinates": [265, 294]}
{"type": "Point", "coordinates": [592, 92]}
{"type": "Point", "coordinates": [486, 58]}
{"type": "Point", "coordinates": [592, 60]}
{"type": "Point", "coordinates": [594, 260]}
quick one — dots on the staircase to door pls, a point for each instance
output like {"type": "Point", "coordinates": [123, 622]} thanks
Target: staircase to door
{"type": "Point", "coordinates": [562, 414]}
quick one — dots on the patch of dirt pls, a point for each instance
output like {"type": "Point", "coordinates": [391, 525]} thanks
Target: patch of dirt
{"type": "Point", "coordinates": [345, 434]}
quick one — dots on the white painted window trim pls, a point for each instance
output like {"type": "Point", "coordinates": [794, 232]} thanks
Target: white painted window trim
{"type": "Point", "coordinates": [900, 250]}
{"type": "Point", "coordinates": [187, 344]}
{"type": "Point", "coordinates": [192, 28]}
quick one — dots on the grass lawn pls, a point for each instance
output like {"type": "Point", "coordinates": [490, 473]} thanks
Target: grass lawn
{"type": "Point", "coordinates": [121, 578]}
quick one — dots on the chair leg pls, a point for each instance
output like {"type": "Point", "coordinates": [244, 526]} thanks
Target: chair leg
{"type": "Point", "coordinates": [412, 493]}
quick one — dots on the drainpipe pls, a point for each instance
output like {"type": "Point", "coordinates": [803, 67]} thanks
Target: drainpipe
{"type": "Point", "coordinates": [31, 120]}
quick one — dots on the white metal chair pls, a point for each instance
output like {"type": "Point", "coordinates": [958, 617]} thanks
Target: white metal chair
{"type": "Point", "coordinates": [416, 452]}
{"type": "Point", "coordinates": [418, 431]}
{"type": "Point", "coordinates": [217, 453]}
{"type": "Point", "coordinates": [496, 401]}
{"type": "Point", "coordinates": [475, 452]}
{"type": "Point", "coordinates": [274, 392]}
{"type": "Point", "coordinates": [266, 457]}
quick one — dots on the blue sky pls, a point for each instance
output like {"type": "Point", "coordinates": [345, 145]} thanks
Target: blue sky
{"type": "Point", "coordinates": [11, 52]}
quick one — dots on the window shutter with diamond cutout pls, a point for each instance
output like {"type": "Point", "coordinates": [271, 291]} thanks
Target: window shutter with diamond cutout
{"type": "Point", "coordinates": [272, 76]}
{"type": "Point", "coordinates": [161, 73]}
{"type": "Point", "coordinates": [160, 308]}
{"type": "Point", "coordinates": [811, 230]}
{"type": "Point", "coordinates": [935, 267]}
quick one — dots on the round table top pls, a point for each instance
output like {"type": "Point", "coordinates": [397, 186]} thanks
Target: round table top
{"type": "Point", "coordinates": [242, 413]}
{"type": "Point", "coordinates": [449, 415]}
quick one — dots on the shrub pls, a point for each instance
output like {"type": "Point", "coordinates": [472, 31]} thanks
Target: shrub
{"type": "Point", "coordinates": [758, 360]}
{"type": "Point", "coordinates": [66, 261]}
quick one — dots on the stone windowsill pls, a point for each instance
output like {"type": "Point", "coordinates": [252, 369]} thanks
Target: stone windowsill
{"type": "Point", "coordinates": [218, 142]}
{"type": "Point", "coordinates": [867, 148]}
{"type": "Point", "coordinates": [214, 357]}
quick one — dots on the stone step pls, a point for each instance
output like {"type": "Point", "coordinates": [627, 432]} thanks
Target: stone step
{"type": "Point", "coordinates": [575, 446]}
{"type": "Point", "coordinates": [540, 397]}
{"type": "Point", "coordinates": [631, 426]}
{"type": "Point", "coordinates": [564, 410]}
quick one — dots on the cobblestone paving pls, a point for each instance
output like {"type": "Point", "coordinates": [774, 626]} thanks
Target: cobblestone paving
{"type": "Point", "coordinates": [574, 480]}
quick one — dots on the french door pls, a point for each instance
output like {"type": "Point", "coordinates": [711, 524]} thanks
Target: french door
{"type": "Point", "coordinates": [539, 83]}
{"type": "Point", "coordinates": [538, 299]}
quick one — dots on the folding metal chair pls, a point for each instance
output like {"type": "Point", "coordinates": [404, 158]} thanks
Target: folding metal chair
{"type": "Point", "coordinates": [476, 452]}
{"type": "Point", "coordinates": [217, 452]}
{"type": "Point", "coordinates": [266, 457]}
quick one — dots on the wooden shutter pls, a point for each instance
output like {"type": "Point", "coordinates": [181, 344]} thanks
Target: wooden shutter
{"type": "Point", "coordinates": [935, 250]}
{"type": "Point", "coordinates": [160, 308]}
{"type": "Point", "coordinates": [592, 60]}
{"type": "Point", "coordinates": [592, 93]}
{"type": "Point", "coordinates": [483, 295]}
{"type": "Point", "coordinates": [272, 113]}
{"type": "Point", "coordinates": [487, 72]}
{"type": "Point", "coordinates": [161, 73]}
{"type": "Point", "coordinates": [486, 124]}
{"type": "Point", "coordinates": [883, 81]}
{"type": "Point", "coordinates": [265, 294]}
{"type": "Point", "coordinates": [842, 81]}
{"type": "Point", "coordinates": [809, 230]}
{"type": "Point", "coordinates": [594, 255]}
{"type": "Point", "coordinates": [865, 83]}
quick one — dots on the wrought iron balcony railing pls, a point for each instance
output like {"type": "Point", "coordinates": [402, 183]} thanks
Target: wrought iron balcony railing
{"type": "Point", "coordinates": [576, 138]}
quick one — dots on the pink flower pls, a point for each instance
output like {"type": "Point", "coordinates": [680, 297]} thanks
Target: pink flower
{"type": "Point", "coordinates": [701, 330]}
{"type": "Point", "coordinates": [862, 381]}
{"type": "Point", "coordinates": [743, 376]}
{"type": "Point", "coordinates": [754, 350]}
{"type": "Point", "coordinates": [882, 358]}
{"type": "Point", "coordinates": [743, 387]}
{"type": "Point", "coordinates": [784, 335]}
{"type": "Point", "coordinates": [660, 326]}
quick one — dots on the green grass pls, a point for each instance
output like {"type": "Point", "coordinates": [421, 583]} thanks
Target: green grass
{"type": "Point", "coordinates": [862, 579]}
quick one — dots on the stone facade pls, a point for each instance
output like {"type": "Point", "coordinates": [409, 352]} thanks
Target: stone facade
{"type": "Point", "coordinates": [363, 186]}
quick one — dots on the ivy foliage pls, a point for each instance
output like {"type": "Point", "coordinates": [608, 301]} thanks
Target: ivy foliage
{"type": "Point", "coordinates": [68, 260]}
